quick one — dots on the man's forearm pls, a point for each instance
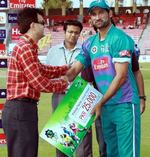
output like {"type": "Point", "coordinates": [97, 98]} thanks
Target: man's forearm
{"type": "Point", "coordinates": [113, 88]}
{"type": "Point", "coordinates": [74, 70]}
{"type": "Point", "coordinates": [139, 82]}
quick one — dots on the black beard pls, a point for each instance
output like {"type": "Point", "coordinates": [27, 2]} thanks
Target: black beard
{"type": "Point", "coordinates": [103, 26]}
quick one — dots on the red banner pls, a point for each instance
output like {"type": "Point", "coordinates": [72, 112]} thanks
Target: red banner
{"type": "Point", "coordinates": [19, 4]}
{"type": "Point", "coordinates": [15, 33]}
{"type": "Point", "coordinates": [2, 139]}
{"type": "Point", "coordinates": [1, 107]}
{"type": "Point", "coordinates": [2, 49]}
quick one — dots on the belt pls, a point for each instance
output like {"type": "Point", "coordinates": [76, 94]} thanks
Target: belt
{"type": "Point", "coordinates": [63, 93]}
{"type": "Point", "coordinates": [26, 100]}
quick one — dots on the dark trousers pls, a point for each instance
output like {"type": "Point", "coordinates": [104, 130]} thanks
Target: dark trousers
{"type": "Point", "coordinates": [20, 124]}
{"type": "Point", "coordinates": [85, 148]}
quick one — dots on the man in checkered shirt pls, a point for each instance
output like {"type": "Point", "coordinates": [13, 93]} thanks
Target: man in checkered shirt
{"type": "Point", "coordinates": [27, 77]}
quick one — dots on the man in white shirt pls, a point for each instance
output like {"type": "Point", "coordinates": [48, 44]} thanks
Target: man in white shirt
{"type": "Point", "coordinates": [62, 54]}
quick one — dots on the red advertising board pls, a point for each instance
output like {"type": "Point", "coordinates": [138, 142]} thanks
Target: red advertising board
{"type": "Point", "coordinates": [2, 49]}
{"type": "Point", "coordinates": [2, 135]}
{"type": "Point", "coordinates": [19, 4]}
{"type": "Point", "coordinates": [2, 46]}
{"type": "Point", "coordinates": [1, 107]}
{"type": "Point", "coordinates": [2, 139]}
{"type": "Point", "coordinates": [15, 33]}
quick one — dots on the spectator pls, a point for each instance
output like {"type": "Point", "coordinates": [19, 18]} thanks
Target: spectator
{"type": "Point", "coordinates": [65, 53]}
{"type": "Point", "coordinates": [137, 51]}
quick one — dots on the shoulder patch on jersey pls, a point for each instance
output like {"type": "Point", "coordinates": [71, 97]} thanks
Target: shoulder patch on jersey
{"type": "Point", "coordinates": [124, 53]}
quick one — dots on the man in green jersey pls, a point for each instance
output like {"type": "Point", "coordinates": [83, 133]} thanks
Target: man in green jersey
{"type": "Point", "coordinates": [109, 54]}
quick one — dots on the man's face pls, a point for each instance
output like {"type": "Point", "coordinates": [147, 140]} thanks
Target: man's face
{"type": "Point", "coordinates": [72, 34]}
{"type": "Point", "coordinates": [100, 17]}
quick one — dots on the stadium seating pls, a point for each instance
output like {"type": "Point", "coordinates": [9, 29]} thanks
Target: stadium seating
{"type": "Point", "coordinates": [125, 22]}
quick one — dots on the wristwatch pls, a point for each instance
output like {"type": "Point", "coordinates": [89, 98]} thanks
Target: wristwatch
{"type": "Point", "coordinates": [143, 97]}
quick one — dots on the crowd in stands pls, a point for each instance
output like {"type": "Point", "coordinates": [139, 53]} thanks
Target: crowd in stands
{"type": "Point", "coordinates": [131, 21]}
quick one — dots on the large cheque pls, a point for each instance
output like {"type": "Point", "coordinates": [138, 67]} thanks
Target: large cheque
{"type": "Point", "coordinates": [70, 122]}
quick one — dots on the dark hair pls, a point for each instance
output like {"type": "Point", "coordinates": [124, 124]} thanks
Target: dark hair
{"type": "Point", "coordinates": [112, 21]}
{"type": "Point", "coordinates": [26, 16]}
{"type": "Point", "coordinates": [74, 23]}
{"type": "Point", "coordinates": [95, 29]}
{"type": "Point", "coordinates": [108, 10]}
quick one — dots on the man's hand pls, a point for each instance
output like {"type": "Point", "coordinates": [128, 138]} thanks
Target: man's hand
{"type": "Point", "coordinates": [142, 106]}
{"type": "Point", "coordinates": [96, 110]}
{"type": "Point", "coordinates": [65, 78]}
{"type": "Point", "coordinates": [74, 70]}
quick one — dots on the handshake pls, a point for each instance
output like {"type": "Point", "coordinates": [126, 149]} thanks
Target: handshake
{"type": "Point", "coordinates": [70, 72]}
